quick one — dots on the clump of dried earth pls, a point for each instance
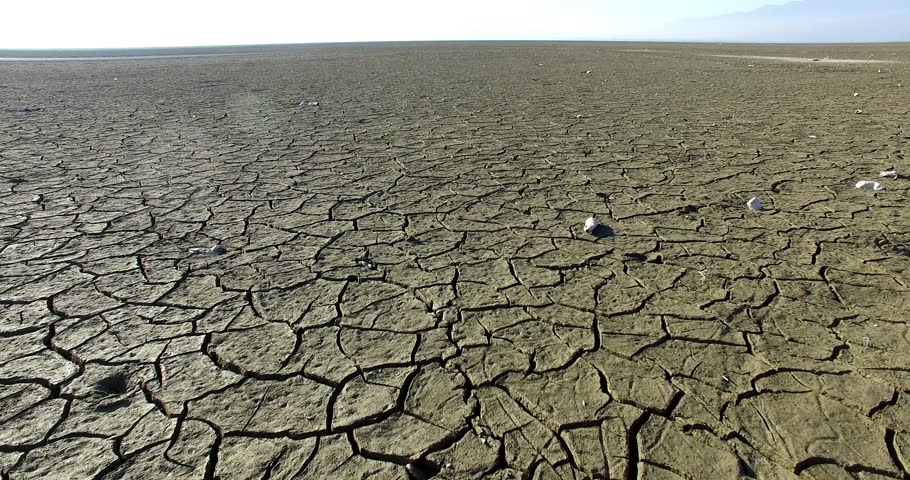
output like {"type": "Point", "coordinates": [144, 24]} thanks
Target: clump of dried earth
{"type": "Point", "coordinates": [406, 280]}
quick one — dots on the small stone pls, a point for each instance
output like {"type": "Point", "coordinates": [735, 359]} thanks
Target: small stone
{"type": "Point", "coordinates": [217, 250]}
{"type": "Point", "coordinates": [867, 342]}
{"type": "Point", "coordinates": [591, 224]}
{"type": "Point", "coordinates": [855, 94]}
{"type": "Point", "coordinates": [755, 204]}
{"type": "Point", "coordinates": [858, 112]}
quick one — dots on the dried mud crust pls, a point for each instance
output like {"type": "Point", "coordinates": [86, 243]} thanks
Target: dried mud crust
{"type": "Point", "coordinates": [406, 279]}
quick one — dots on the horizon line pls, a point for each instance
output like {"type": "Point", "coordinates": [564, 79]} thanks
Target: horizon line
{"type": "Point", "coordinates": [368, 42]}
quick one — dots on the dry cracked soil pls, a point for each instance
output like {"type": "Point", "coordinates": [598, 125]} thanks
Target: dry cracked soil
{"type": "Point", "coordinates": [406, 289]}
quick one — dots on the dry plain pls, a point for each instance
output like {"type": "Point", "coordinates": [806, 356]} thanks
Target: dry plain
{"type": "Point", "coordinates": [406, 281]}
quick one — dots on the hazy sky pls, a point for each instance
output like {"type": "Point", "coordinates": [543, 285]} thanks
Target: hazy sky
{"type": "Point", "coordinates": [147, 23]}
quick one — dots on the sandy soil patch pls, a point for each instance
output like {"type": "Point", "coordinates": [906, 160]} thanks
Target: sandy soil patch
{"type": "Point", "coordinates": [807, 60]}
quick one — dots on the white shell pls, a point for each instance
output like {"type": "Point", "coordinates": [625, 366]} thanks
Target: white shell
{"type": "Point", "coordinates": [591, 224]}
{"type": "Point", "coordinates": [890, 174]}
{"type": "Point", "coordinates": [868, 185]}
{"type": "Point", "coordinates": [755, 204]}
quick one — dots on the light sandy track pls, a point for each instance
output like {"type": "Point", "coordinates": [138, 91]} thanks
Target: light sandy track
{"type": "Point", "coordinates": [493, 339]}
{"type": "Point", "coordinates": [807, 60]}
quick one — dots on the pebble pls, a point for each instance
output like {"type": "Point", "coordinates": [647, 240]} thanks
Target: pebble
{"type": "Point", "coordinates": [217, 250]}
{"type": "Point", "coordinates": [365, 262]}
{"type": "Point", "coordinates": [755, 204]}
{"type": "Point", "coordinates": [858, 112]}
{"type": "Point", "coordinates": [591, 224]}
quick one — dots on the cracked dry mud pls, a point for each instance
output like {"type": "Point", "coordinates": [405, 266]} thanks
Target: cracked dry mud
{"type": "Point", "coordinates": [406, 279]}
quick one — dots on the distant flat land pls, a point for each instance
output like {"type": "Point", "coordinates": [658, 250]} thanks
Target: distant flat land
{"type": "Point", "coordinates": [406, 279]}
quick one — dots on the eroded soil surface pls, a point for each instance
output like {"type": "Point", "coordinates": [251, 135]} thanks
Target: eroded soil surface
{"type": "Point", "coordinates": [406, 280]}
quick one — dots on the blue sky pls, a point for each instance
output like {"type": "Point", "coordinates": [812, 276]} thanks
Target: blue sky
{"type": "Point", "coordinates": [137, 23]}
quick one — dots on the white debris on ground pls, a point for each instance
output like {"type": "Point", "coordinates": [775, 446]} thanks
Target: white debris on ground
{"type": "Point", "coordinates": [755, 204]}
{"type": "Point", "coordinates": [892, 174]}
{"type": "Point", "coordinates": [591, 224]}
{"type": "Point", "coordinates": [213, 250]}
